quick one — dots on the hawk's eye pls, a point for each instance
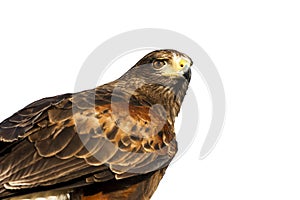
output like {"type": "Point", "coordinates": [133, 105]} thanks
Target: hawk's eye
{"type": "Point", "coordinates": [159, 63]}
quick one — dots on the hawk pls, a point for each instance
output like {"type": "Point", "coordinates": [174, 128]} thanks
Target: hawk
{"type": "Point", "coordinates": [111, 142]}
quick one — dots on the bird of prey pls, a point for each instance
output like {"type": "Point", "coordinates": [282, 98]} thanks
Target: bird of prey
{"type": "Point", "coordinates": [111, 142]}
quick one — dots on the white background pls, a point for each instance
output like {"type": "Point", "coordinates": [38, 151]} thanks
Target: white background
{"type": "Point", "coordinates": [254, 44]}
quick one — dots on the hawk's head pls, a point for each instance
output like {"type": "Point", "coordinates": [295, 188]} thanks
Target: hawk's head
{"type": "Point", "coordinates": [162, 76]}
{"type": "Point", "coordinates": [162, 65]}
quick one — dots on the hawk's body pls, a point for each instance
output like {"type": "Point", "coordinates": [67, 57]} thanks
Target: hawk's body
{"type": "Point", "coordinates": [111, 142]}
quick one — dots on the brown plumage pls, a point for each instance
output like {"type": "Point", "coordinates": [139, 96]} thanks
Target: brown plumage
{"type": "Point", "coordinates": [111, 142]}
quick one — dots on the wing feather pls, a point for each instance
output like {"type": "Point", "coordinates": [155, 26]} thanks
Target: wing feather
{"type": "Point", "coordinates": [67, 137]}
{"type": "Point", "coordinates": [76, 145]}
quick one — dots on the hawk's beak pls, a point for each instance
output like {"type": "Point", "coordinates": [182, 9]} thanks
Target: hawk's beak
{"type": "Point", "coordinates": [183, 65]}
{"type": "Point", "coordinates": [187, 74]}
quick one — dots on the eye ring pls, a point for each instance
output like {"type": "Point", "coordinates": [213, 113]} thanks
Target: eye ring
{"type": "Point", "coordinates": [157, 64]}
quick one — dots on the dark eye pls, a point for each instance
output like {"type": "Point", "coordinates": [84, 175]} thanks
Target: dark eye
{"type": "Point", "coordinates": [159, 63]}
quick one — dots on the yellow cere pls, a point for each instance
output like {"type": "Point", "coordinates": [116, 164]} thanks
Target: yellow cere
{"type": "Point", "coordinates": [182, 63]}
